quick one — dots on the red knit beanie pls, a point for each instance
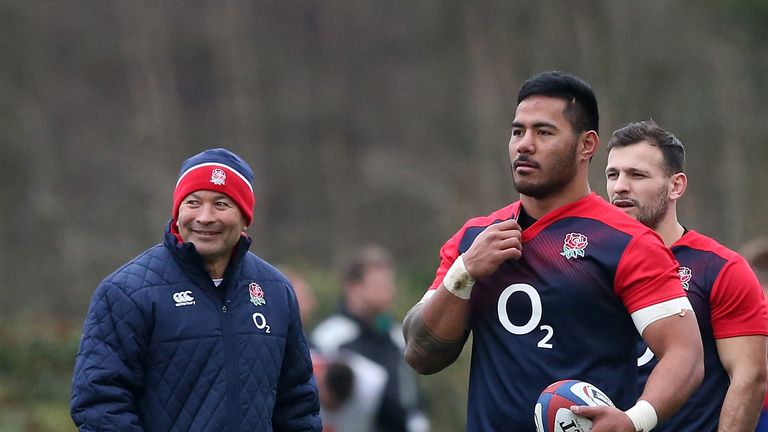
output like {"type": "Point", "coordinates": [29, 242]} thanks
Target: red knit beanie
{"type": "Point", "coordinates": [217, 170]}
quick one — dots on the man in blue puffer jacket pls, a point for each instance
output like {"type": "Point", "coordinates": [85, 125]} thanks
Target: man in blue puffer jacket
{"type": "Point", "coordinates": [197, 333]}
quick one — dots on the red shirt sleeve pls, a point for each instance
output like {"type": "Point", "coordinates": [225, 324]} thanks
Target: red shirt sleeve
{"type": "Point", "coordinates": [448, 254]}
{"type": "Point", "coordinates": [737, 303]}
{"type": "Point", "coordinates": [647, 273]}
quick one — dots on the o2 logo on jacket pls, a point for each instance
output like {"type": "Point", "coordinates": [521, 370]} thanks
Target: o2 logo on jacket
{"type": "Point", "coordinates": [261, 322]}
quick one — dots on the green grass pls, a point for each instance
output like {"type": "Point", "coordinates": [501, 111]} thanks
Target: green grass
{"type": "Point", "coordinates": [36, 362]}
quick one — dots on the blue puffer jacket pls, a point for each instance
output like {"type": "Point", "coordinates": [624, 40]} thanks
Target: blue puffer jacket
{"type": "Point", "coordinates": [163, 349]}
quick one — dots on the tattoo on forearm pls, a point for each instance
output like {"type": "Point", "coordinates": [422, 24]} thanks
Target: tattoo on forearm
{"type": "Point", "coordinates": [425, 351]}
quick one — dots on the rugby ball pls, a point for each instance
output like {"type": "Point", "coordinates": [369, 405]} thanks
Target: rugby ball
{"type": "Point", "coordinates": [552, 412]}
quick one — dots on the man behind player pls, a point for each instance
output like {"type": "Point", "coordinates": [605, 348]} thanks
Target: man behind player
{"type": "Point", "coordinates": [557, 285]}
{"type": "Point", "coordinates": [645, 177]}
{"type": "Point", "coordinates": [755, 251]}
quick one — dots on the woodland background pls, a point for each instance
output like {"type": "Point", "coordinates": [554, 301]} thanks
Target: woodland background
{"type": "Point", "coordinates": [365, 121]}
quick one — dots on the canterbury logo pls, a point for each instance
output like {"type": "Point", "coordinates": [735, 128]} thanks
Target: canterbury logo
{"type": "Point", "coordinates": [183, 298]}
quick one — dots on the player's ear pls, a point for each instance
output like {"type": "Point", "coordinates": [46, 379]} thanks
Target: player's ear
{"type": "Point", "coordinates": [588, 144]}
{"type": "Point", "coordinates": [678, 183]}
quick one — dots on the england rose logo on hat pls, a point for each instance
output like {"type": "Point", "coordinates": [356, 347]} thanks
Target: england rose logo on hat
{"type": "Point", "coordinates": [574, 245]}
{"type": "Point", "coordinates": [218, 177]}
{"type": "Point", "coordinates": [218, 170]}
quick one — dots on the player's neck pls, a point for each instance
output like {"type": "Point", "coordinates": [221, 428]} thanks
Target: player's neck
{"type": "Point", "coordinates": [538, 207]}
{"type": "Point", "coordinates": [669, 228]}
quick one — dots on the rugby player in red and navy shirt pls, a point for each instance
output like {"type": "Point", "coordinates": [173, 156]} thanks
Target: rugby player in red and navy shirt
{"type": "Point", "coordinates": [645, 178]}
{"type": "Point", "coordinates": [755, 251]}
{"type": "Point", "coordinates": [557, 285]}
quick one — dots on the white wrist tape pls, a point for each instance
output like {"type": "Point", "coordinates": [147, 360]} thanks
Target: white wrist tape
{"type": "Point", "coordinates": [643, 416]}
{"type": "Point", "coordinates": [458, 281]}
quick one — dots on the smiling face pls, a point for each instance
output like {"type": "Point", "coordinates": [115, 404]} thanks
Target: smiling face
{"type": "Point", "coordinates": [637, 182]}
{"type": "Point", "coordinates": [213, 223]}
{"type": "Point", "coordinates": [542, 148]}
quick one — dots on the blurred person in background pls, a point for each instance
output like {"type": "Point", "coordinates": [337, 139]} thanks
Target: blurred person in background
{"type": "Point", "coordinates": [197, 333]}
{"type": "Point", "coordinates": [364, 326]}
{"type": "Point", "coordinates": [351, 389]}
{"type": "Point", "coordinates": [557, 285]}
{"type": "Point", "coordinates": [645, 177]}
{"type": "Point", "coordinates": [756, 254]}
{"type": "Point", "coordinates": [350, 386]}
{"type": "Point", "coordinates": [304, 294]}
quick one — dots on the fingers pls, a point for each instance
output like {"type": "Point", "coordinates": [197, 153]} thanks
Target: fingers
{"type": "Point", "coordinates": [503, 230]}
{"type": "Point", "coordinates": [605, 418]}
{"type": "Point", "coordinates": [512, 242]}
{"type": "Point", "coordinates": [506, 225]}
{"type": "Point", "coordinates": [497, 243]}
{"type": "Point", "coordinates": [586, 411]}
{"type": "Point", "coordinates": [505, 237]}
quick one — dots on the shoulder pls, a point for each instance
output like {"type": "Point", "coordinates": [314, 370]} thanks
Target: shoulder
{"type": "Point", "coordinates": [720, 265]}
{"type": "Point", "coordinates": [501, 214]}
{"type": "Point", "coordinates": [148, 269]}
{"type": "Point", "coordinates": [464, 237]}
{"type": "Point", "coordinates": [256, 273]}
{"type": "Point", "coordinates": [594, 215]}
{"type": "Point", "coordinates": [595, 207]}
{"type": "Point", "coordinates": [334, 332]}
{"type": "Point", "coordinates": [125, 291]}
{"type": "Point", "coordinates": [736, 299]}
{"type": "Point", "coordinates": [371, 377]}
{"type": "Point", "coordinates": [605, 228]}
{"type": "Point", "coordinates": [638, 238]}
{"type": "Point", "coordinates": [255, 266]}
{"type": "Point", "coordinates": [708, 258]}
{"type": "Point", "coordinates": [700, 242]}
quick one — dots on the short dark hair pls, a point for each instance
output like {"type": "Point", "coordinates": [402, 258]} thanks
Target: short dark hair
{"type": "Point", "coordinates": [672, 149]}
{"type": "Point", "coordinates": [340, 381]}
{"type": "Point", "coordinates": [364, 259]}
{"type": "Point", "coordinates": [580, 102]}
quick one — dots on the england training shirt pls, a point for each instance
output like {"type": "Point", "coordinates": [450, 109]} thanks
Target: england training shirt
{"type": "Point", "coordinates": [728, 302]}
{"type": "Point", "coordinates": [562, 310]}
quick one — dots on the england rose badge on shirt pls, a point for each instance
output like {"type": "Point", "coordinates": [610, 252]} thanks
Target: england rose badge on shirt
{"type": "Point", "coordinates": [574, 245]}
{"type": "Point", "coordinates": [685, 276]}
{"type": "Point", "coordinates": [257, 294]}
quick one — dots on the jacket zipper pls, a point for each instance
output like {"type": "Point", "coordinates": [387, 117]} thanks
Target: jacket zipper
{"type": "Point", "coordinates": [230, 364]}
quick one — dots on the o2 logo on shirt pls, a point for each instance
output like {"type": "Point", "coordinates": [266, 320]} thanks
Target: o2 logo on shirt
{"type": "Point", "coordinates": [645, 358]}
{"type": "Point", "coordinates": [533, 321]}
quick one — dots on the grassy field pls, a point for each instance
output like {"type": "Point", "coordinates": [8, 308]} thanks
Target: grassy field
{"type": "Point", "coordinates": [36, 362]}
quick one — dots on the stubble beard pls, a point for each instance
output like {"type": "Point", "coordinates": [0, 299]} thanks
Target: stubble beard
{"type": "Point", "coordinates": [560, 173]}
{"type": "Point", "coordinates": [652, 214]}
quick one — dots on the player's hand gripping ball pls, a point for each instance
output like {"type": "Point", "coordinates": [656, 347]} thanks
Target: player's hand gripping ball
{"type": "Point", "coordinates": [553, 414]}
